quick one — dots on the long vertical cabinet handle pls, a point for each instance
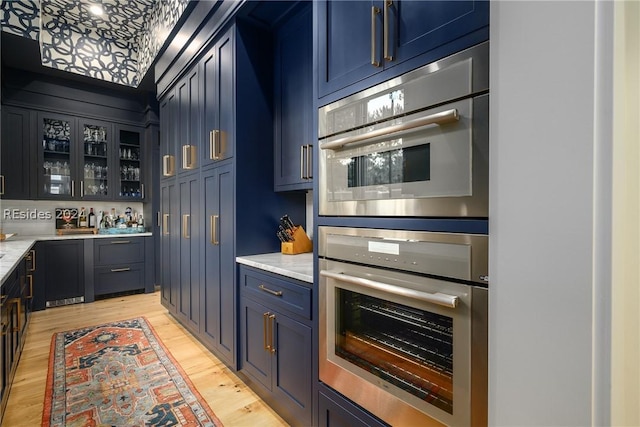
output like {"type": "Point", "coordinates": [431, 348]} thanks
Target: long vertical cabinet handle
{"type": "Point", "coordinates": [188, 156]}
{"type": "Point", "coordinates": [302, 157]}
{"type": "Point", "coordinates": [272, 321]}
{"type": "Point", "coordinates": [142, 191]}
{"type": "Point", "coordinates": [215, 146]}
{"type": "Point", "coordinates": [18, 304]}
{"type": "Point", "coordinates": [185, 226]}
{"type": "Point", "coordinates": [165, 224]}
{"type": "Point", "coordinates": [158, 219]}
{"type": "Point", "coordinates": [374, 14]}
{"type": "Point", "coordinates": [32, 258]}
{"type": "Point", "coordinates": [82, 188]}
{"type": "Point", "coordinates": [30, 277]}
{"type": "Point", "coordinates": [1, 185]}
{"type": "Point", "coordinates": [388, 4]}
{"type": "Point", "coordinates": [309, 161]}
{"type": "Point", "coordinates": [73, 188]}
{"type": "Point", "coordinates": [168, 165]}
{"type": "Point", "coordinates": [265, 341]}
{"type": "Point", "coordinates": [213, 219]}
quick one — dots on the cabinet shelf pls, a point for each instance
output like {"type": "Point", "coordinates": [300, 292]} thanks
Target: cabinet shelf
{"type": "Point", "coordinates": [65, 153]}
{"type": "Point", "coordinates": [94, 156]}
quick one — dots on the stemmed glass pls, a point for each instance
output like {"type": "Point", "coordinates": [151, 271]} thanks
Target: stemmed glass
{"type": "Point", "coordinates": [66, 216]}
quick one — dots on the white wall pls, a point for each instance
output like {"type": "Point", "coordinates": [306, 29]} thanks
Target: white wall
{"type": "Point", "coordinates": [545, 184]}
{"type": "Point", "coordinates": [625, 358]}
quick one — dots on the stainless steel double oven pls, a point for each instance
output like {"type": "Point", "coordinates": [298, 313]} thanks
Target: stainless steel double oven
{"type": "Point", "coordinates": [403, 313]}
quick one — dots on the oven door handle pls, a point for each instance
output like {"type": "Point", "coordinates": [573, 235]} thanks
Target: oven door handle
{"type": "Point", "coordinates": [441, 118]}
{"type": "Point", "coordinates": [439, 298]}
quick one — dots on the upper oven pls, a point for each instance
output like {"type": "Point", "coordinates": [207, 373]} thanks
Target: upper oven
{"type": "Point", "coordinates": [414, 146]}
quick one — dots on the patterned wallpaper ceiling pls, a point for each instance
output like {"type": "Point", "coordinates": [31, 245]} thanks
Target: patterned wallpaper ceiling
{"type": "Point", "coordinates": [122, 20]}
{"type": "Point", "coordinates": [118, 46]}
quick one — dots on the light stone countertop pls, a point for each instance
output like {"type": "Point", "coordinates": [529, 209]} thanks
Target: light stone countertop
{"type": "Point", "coordinates": [16, 247]}
{"type": "Point", "coordinates": [298, 267]}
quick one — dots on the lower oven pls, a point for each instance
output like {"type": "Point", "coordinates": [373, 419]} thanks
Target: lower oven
{"type": "Point", "coordinates": [396, 337]}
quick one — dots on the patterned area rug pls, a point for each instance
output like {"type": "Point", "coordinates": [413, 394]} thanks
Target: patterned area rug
{"type": "Point", "coordinates": [119, 374]}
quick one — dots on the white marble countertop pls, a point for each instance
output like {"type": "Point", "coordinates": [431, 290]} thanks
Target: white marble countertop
{"type": "Point", "coordinates": [295, 266]}
{"type": "Point", "coordinates": [16, 247]}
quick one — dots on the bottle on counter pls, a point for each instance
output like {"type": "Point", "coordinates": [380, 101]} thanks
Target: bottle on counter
{"type": "Point", "coordinates": [92, 219]}
{"type": "Point", "coordinates": [82, 218]}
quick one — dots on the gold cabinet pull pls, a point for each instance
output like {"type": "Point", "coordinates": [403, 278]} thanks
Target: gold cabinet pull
{"type": "Point", "coordinates": [272, 321]}
{"type": "Point", "coordinates": [388, 4]}
{"type": "Point", "coordinates": [32, 258]}
{"type": "Point", "coordinates": [374, 12]}
{"type": "Point", "coordinates": [302, 148]}
{"type": "Point", "coordinates": [168, 165]}
{"type": "Point", "coordinates": [185, 226]}
{"type": "Point", "coordinates": [30, 277]}
{"type": "Point", "coordinates": [165, 224]}
{"type": "Point", "coordinates": [120, 242]}
{"type": "Point", "coordinates": [265, 342]}
{"type": "Point", "coordinates": [120, 270]}
{"type": "Point", "coordinates": [215, 148]}
{"type": "Point", "coordinates": [18, 303]}
{"type": "Point", "coordinates": [214, 229]}
{"type": "Point", "coordinates": [188, 157]}
{"type": "Point", "coordinates": [309, 161]}
{"type": "Point", "coordinates": [269, 291]}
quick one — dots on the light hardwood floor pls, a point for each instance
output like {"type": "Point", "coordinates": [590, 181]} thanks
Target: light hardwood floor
{"type": "Point", "coordinates": [233, 402]}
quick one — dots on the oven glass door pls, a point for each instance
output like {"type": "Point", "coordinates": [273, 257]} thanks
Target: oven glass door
{"type": "Point", "coordinates": [405, 171]}
{"type": "Point", "coordinates": [396, 338]}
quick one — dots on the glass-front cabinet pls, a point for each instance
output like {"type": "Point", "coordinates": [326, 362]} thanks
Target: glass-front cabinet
{"type": "Point", "coordinates": [96, 151]}
{"type": "Point", "coordinates": [130, 179]}
{"type": "Point", "coordinates": [86, 159]}
{"type": "Point", "coordinates": [58, 156]}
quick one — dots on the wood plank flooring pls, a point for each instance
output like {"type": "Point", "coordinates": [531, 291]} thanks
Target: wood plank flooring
{"type": "Point", "coordinates": [233, 402]}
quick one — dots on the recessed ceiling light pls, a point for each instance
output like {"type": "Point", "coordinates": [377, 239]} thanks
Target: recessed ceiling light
{"type": "Point", "coordinates": [96, 9]}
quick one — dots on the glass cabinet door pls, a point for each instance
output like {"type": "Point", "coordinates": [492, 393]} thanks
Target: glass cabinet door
{"type": "Point", "coordinates": [130, 178]}
{"type": "Point", "coordinates": [57, 156]}
{"type": "Point", "coordinates": [94, 165]}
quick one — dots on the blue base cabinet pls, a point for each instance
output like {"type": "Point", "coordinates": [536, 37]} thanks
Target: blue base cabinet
{"type": "Point", "coordinates": [336, 411]}
{"type": "Point", "coordinates": [276, 349]}
{"type": "Point", "coordinates": [359, 39]}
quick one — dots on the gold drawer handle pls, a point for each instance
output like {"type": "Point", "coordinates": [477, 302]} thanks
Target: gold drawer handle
{"type": "Point", "coordinates": [269, 291]}
{"type": "Point", "coordinates": [120, 242]}
{"type": "Point", "coordinates": [30, 277]}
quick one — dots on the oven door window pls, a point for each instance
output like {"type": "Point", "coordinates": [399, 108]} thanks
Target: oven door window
{"type": "Point", "coordinates": [434, 161]}
{"type": "Point", "coordinates": [407, 347]}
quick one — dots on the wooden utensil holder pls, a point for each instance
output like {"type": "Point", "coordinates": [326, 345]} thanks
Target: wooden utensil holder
{"type": "Point", "coordinates": [301, 243]}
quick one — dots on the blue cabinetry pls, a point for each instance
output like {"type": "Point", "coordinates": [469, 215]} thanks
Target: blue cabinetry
{"type": "Point", "coordinates": [336, 411]}
{"type": "Point", "coordinates": [218, 292]}
{"type": "Point", "coordinates": [222, 204]}
{"type": "Point", "coordinates": [190, 243]}
{"type": "Point", "coordinates": [293, 96]}
{"type": "Point", "coordinates": [16, 181]}
{"type": "Point", "coordinates": [276, 342]}
{"type": "Point", "coordinates": [360, 39]}
{"type": "Point", "coordinates": [218, 101]}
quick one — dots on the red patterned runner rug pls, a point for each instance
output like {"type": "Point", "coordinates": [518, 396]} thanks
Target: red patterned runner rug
{"type": "Point", "coordinates": [119, 374]}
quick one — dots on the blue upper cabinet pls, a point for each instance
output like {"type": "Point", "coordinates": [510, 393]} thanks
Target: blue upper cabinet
{"type": "Point", "coordinates": [293, 95]}
{"type": "Point", "coordinates": [360, 39]}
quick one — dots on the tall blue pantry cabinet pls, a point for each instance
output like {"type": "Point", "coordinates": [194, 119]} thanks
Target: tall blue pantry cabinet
{"type": "Point", "coordinates": [217, 198]}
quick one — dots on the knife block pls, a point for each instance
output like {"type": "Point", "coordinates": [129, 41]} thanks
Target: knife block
{"type": "Point", "coordinates": [301, 243]}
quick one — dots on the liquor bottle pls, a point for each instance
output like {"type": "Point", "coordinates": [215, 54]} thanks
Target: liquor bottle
{"type": "Point", "coordinates": [92, 219]}
{"type": "Point", "coordinates": [82, 218]}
